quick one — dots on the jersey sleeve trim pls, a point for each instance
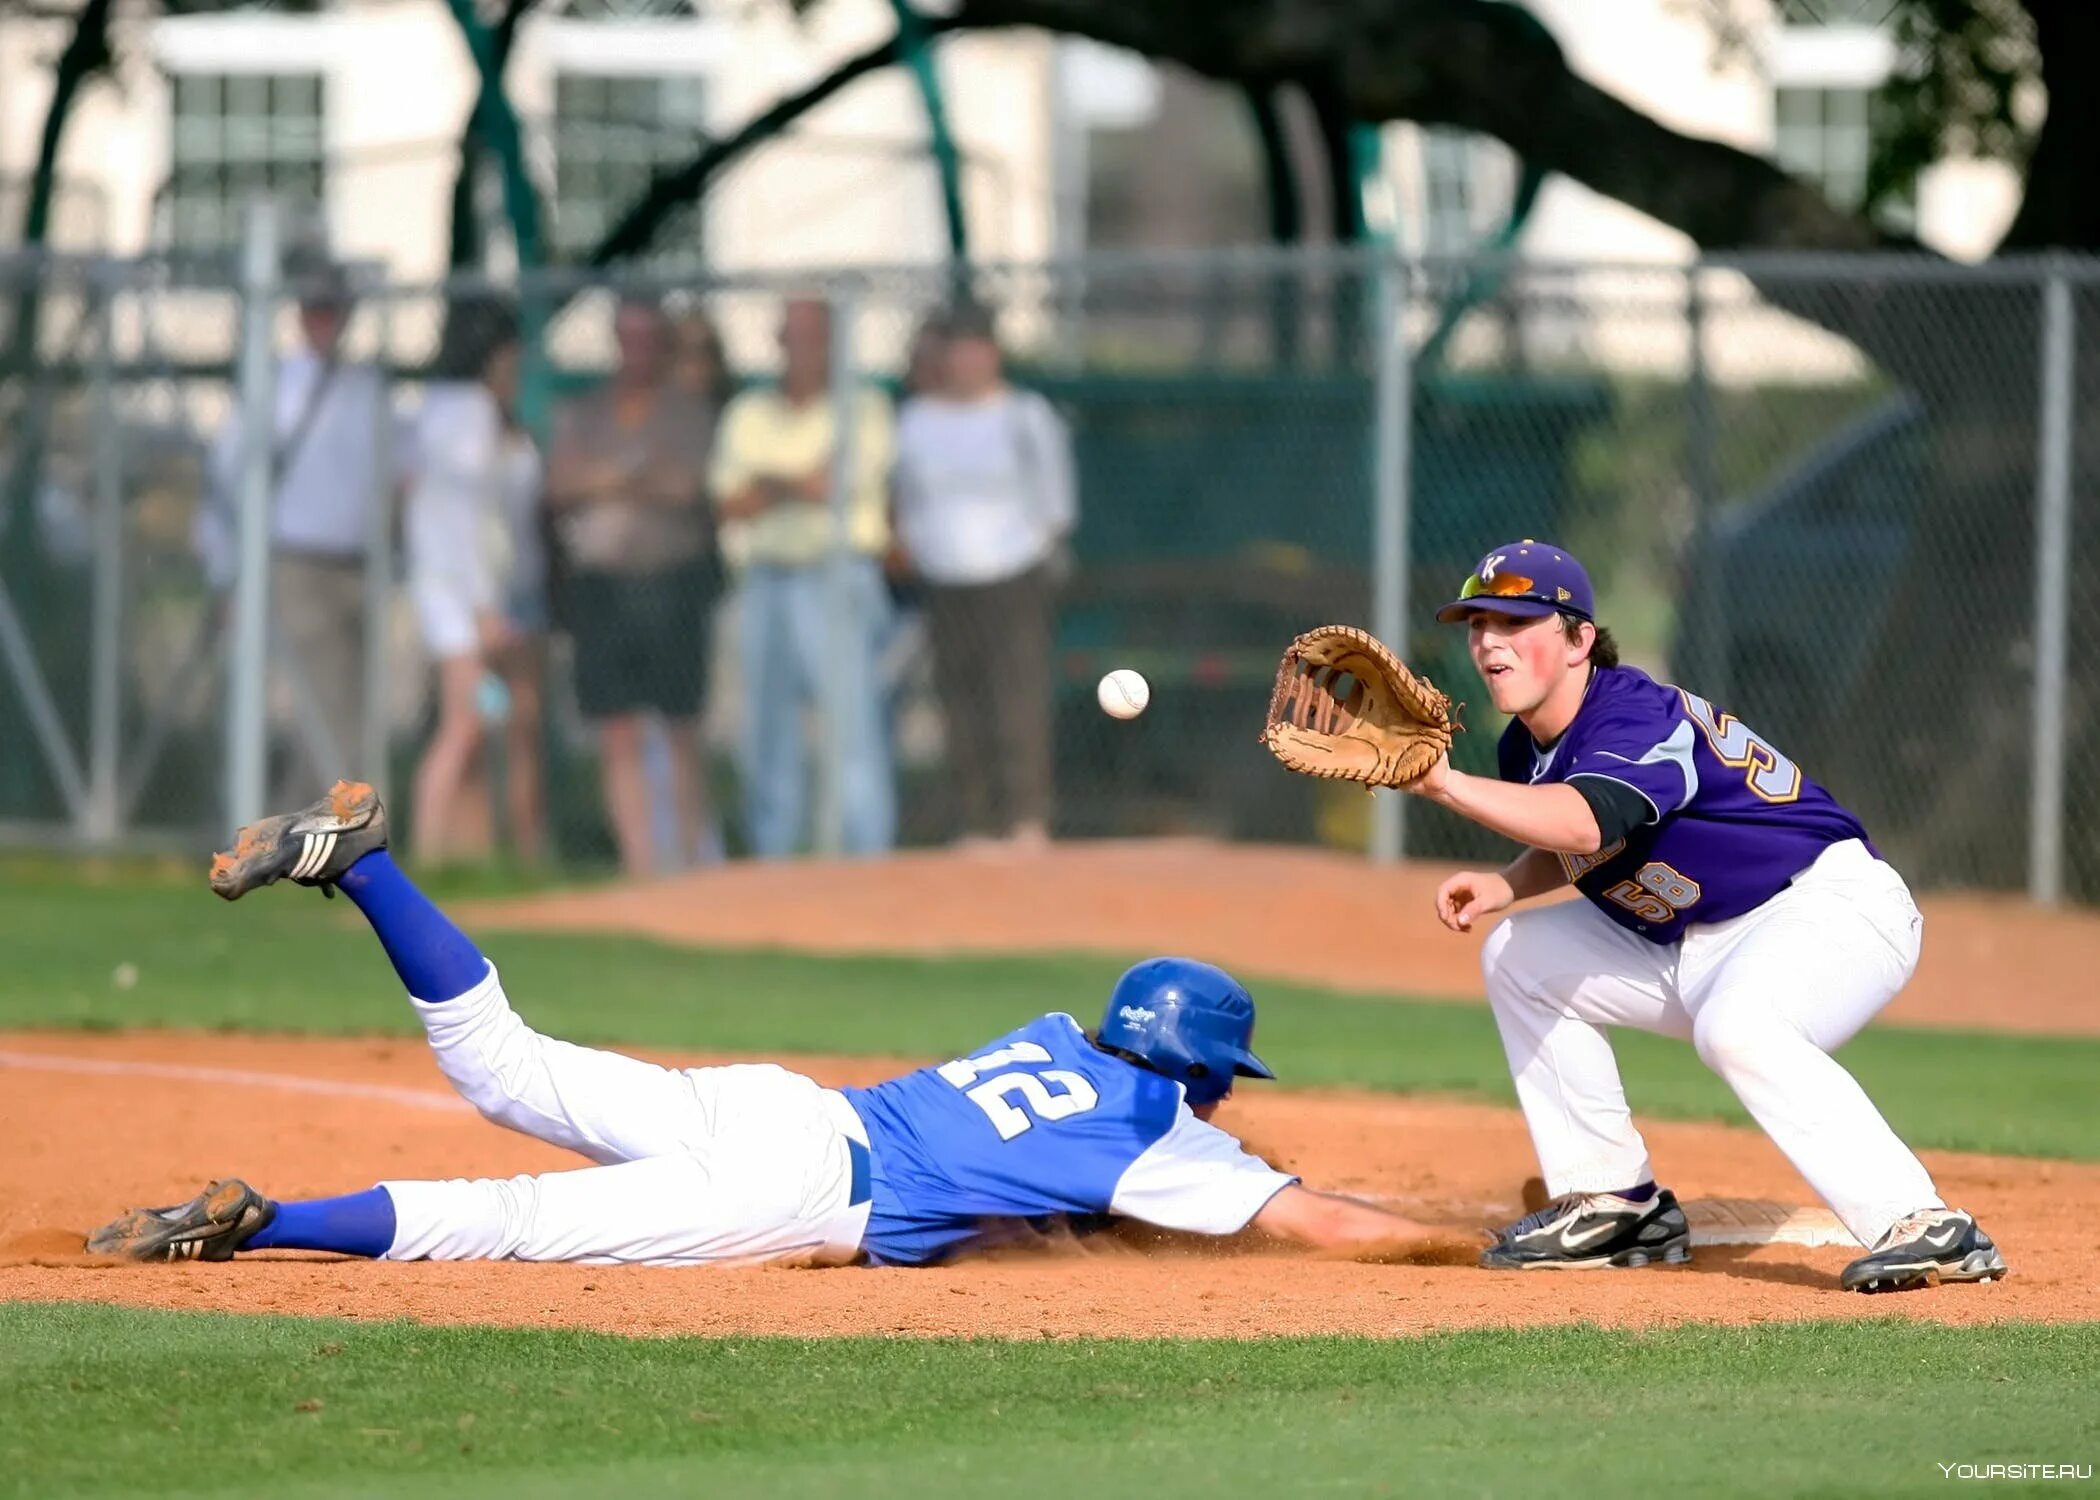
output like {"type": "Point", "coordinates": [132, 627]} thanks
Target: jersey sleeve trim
{"type": "Point", "coordinates": [1674, 751]}
{"type": "Point", "coordinates": [1618, 806]}
{"type": "Point", "coordinates": [1654, 812]}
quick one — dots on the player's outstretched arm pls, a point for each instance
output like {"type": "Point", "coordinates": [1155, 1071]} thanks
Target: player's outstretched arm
{"type": "Point", "coordinates": [1327, 1221]}
{"type": "Point", "coordinates": [1555, 817]}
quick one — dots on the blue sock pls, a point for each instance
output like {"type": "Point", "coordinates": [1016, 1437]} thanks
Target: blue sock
{"type": "Point", "coordinates": [355, 1224]}
{"type": "Point", "coordinates": [1639, 1194]}
{"type": "Point", "coordinates": [435, 960]}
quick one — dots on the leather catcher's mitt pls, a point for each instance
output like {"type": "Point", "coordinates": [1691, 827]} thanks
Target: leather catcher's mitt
{"type": "Point", "coordinates": [1346, 707]}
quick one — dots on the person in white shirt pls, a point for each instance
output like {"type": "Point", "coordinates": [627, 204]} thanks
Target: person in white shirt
{"type": "Point", "coordinates": [475, 566]}
{"type": "Point", "coordinates": [326, 459]}
{"type": "Point", "coordinates": [985, 506]}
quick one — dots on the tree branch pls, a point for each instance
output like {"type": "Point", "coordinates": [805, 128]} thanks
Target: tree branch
{"type": "Point", "coordinates": [1482, 66]}
{"type": "Point", "coordinates": [87, 53]}
{"type": "Point", "coordinates": [672, 190]}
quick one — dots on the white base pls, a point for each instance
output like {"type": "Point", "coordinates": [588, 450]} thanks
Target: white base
{"type": "Point", "coordinates": [1762, 1221]}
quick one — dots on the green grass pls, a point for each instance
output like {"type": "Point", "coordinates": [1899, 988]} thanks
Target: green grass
{"type": "Point", "coordinates": [182, 1403]}
{"type": "Point", "coordinates": [285, 961]}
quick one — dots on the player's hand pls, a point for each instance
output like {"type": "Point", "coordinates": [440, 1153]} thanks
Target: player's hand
{"type": "Point", "coordinates": [1432, 782]}
{"type": "Point", "coordinates": [1470, 895]}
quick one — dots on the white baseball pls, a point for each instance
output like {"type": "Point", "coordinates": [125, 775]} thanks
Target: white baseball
{"type": "Point", "coordinates": [1123, 694]}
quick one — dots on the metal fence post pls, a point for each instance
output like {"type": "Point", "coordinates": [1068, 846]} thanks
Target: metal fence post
{"type": "Point", "coordinates": [247, 729]}
{"type": "Point", "coordinates": [1701, 437]}
{"type": "Point", "coordinates": [1700, 429]}
{"type": "Point", "coordinates": [2052, 562]}
{"type": "Point", "coordinates": [105, 701]}
{"type": "Point", "coordinates": [1393, 442]}
{"type": "Point", "coordinates": [844, 301]}
{"type": "Point", "coordinates": [371, 750]}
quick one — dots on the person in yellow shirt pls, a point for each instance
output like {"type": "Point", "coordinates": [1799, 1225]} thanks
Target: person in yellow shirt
{"type": "Point", "coordinates": [791, 547]}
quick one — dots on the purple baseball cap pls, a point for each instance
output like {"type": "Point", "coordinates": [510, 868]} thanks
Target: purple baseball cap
{"type": "Point", "coordinates": [1526, 579]}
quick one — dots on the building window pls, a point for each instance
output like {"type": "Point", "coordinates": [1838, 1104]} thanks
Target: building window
{"type": "Point", "coordinates": [612, 133]}
{"type": "Point", "coordinates": [1825, 136]}
{"type": "Point", "coordinates": [236, 135]}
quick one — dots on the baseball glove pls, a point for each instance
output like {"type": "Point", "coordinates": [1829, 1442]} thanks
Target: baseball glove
{"type": "Point", "coordinates": [1346, 707]}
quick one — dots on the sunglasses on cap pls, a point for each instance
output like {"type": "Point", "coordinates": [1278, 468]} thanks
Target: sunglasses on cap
{"type": "Point", "coordinates": [1501, 586]}
{"type": "Point", "coordinates": [1505, 585]}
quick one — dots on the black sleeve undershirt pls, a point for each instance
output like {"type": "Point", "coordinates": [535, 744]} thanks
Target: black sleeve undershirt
{"type": "Point", "coordinates": [1619, 809]}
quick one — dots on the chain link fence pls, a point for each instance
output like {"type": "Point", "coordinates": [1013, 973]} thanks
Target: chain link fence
{"type": "Point", "coordinates": [1845, 500]}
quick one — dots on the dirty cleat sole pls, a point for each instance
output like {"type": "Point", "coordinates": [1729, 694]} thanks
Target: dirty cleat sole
{"type": "Point", "coordinates": [211, 1226]}
{"type": "Point", "coordinates": [313, 846]}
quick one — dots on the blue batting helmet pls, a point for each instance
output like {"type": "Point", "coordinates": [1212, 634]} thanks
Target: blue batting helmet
{"type": "Point", "coordinates": [1187, 1020]}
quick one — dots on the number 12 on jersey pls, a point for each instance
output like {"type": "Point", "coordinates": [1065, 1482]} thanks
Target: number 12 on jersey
{"type": "Point", "coordinates": [995, 1095]}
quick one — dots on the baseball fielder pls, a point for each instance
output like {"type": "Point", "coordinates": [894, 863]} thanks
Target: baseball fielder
{"type": "Point", "coordinates": [1729, 901]}
{"type": "Point", "coordinates": [752, 1164]}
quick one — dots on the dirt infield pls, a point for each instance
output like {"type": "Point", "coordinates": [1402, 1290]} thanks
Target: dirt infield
{"type": "Point", "coordinates": [1992, 963]}
{"type": "Point", "coordinates": [96, 1123]}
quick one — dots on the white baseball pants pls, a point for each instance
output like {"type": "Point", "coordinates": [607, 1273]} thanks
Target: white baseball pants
{"type": "Point", "coordinates": [736, 1165]}
{"type": "Point", "coordinates": [1764, 997]}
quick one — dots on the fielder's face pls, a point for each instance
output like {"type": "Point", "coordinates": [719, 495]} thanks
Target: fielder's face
{"type": "Point", "coordinates": [1521, 660]}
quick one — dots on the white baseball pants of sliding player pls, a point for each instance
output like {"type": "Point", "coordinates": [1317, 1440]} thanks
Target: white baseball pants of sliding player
{"type": "Point", "coordinates": [1765, 998]}
{"type": "Point", "coordinates": [736, 1165]}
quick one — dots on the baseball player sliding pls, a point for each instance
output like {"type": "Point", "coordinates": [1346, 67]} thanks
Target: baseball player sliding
{"type": "Point", "coordinates": [753, 1164]}
{"type": "Point", "coordinates": [1730, 902]}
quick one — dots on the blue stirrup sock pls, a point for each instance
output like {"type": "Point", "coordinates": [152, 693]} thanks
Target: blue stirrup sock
{"type": "Point", "coordinates": [1639, 1194]}
{"type": "Point", "coordinates": [436, 961]}
{"type": "Point", "coordinates": [355, 1224]}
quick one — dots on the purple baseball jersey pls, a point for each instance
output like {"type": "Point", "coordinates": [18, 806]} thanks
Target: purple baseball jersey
{"type": "Point", "coordinates": [1732, 819]}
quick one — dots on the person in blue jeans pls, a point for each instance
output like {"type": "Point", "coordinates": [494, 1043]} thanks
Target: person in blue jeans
{"type": "Point", "coordinates": [812, 606]}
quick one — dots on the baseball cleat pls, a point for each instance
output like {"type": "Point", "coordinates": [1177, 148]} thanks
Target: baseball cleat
{"type": "Point", "coordinates": [1590, 1231]}
{"type": "Point", "coordinates": [1924, 1249]}
{"type": "Point", "coordinates": [310, 847]}
{"type": "Point", "coordinates": [211, 1226]}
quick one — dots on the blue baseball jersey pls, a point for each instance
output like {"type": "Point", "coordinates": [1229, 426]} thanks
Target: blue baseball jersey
{"type": "Point", "coordinates": [1042, 1125]}
{"type": "Point", "coordinates": [1731, 820]}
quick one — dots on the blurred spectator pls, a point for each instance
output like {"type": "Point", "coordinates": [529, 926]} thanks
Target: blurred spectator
{"type": "Point", "coordinates": [521, 661]}
{"type": "Point", "coordinates": [926, 364]}
{"type": "Point", "coordinates": [985, 506]}
{"type": "Point", "coordinates": [925, 371]}
{"type": "Point", "coordinates": [699, 368]}
{"type": "Point", "coordinates": [773, 483]}
{"type": "Point", "coordinates": [476, 571]}
{"type": "Point", "coordinates": [326, 478]}
{"type": "Point", "coordinates": [626, 474]}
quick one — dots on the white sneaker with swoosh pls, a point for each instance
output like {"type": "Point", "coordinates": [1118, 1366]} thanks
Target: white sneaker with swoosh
{"type": "Point", "coordinates": [1924, 1249]}
{"type": "Point", "coordinates": [1592, 1231]}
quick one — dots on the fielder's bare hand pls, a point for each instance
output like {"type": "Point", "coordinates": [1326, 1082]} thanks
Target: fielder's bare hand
{"type": "Point", "coordinates": [1470, 895]}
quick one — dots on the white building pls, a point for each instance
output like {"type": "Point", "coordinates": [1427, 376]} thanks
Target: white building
{"type": "Point", "coordinates": [358, 105]}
